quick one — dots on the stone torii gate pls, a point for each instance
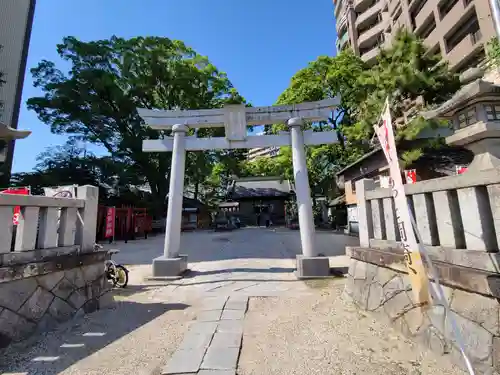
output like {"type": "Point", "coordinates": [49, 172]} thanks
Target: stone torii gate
{"type": "Point", "coordinates": [235, 119]}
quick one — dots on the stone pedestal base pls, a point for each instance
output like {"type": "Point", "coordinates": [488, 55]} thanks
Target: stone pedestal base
{"type": "Point", "coordinates": [169, 268]}
{"type": "Point", "coordinates": [312, 267]}
{"type": "Point", "coordinates": [483, 139]}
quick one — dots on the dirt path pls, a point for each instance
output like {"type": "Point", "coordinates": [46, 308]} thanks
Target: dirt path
{"type": "Point", "coordinates": [291, 327]}
{"type": "Point", "coordinates": [135, 337]}
{"type": "Point", "coordinates": [322, 333]}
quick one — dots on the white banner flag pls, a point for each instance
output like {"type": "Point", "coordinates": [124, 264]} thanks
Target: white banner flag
{"type": "Point", "coordinates": [60, 191]}
{"type": "Point", "coordinates": [414, 251]}
{"type": "Point", "coordinates": [416, 270]}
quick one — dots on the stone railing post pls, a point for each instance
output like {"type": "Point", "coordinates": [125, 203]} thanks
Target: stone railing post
{"type": "Point", "coordinates": [365, 219]}
{"type": "Point", "coordinates": [86, 231]}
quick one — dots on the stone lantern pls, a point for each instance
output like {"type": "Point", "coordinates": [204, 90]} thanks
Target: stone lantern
{"type": "Point", "coordinates": [8, 134]}
{"type": "Point", "coordinates": [474, 112]}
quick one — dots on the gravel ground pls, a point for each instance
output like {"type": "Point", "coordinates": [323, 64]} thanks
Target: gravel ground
{"type": "Point", "coordinates": [307, 329]}
{"type": "Point", "coordinates": [136, 337]}
{"type": "Point", "coordinates": [322, 333]}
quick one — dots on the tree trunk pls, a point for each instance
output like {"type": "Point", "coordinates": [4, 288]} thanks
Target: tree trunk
{"type": "Point", "coordinates": [196, 190]}
{"type": "Point", "coordinates": [159, 194]}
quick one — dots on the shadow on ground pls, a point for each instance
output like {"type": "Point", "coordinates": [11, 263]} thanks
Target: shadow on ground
{"type": "Point", "coordinates": [52, 352]}
{"type": "Point", "coordinates": [138, 288]}
{"type": "Point", "coordinates": [193, 274]}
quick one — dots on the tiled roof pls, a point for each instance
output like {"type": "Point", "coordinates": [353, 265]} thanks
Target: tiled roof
{"type": "Point", "coordinates": [262, 187]}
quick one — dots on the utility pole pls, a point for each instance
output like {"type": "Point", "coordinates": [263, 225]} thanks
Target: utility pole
{"type": "Point", "coordinates": [495, 14]}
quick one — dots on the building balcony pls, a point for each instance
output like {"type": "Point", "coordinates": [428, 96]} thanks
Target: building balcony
{"type": "Point", "coordinates": [360, 5]}
{"type": "Point", "coordinates": [412, 4]}
{"type": "Point", "coordinates": [424, 14]}
{"type": "Point", "coordinates": [339, 5]}
{"type": "Point", "coordinates": [368, 15]}
{"type": "Point", "coordinates": [392, 6]}
{"type": "Point", "coordinates": [464, 50]}
{"type": "Point", "coordinates": [454, 16]}
{"type": "Point", "coordinates": [342, 41]}
{"type": "Point", "coordinates": [370, 35]}
{"type": "Point", "coordinates": [398, 24]}
{"type": "Point", "coordinates": [370, 57]}
{"type": "Point", "coordinates": [432, 39]}
{"type": "Point", "coordinates": [342, 23]}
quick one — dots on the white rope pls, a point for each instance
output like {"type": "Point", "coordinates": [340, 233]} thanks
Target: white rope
{"type": "Point", "coordinates": [438, 293]}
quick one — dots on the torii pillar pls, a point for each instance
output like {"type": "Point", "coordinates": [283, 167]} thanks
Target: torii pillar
{"type": "Point", "coordinates": [172, 264]}
{"type": "Point", "coordinates": [235, 119]}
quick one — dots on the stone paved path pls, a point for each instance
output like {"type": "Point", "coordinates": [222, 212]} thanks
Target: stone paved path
{"type": "Point", "coordinates": [240, 311]}
{"type": "Point", "coordinates": [213, 341]}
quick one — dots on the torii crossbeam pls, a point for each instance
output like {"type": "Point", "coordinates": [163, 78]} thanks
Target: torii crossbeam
{"type": "Point", "coordinates": [235, 119]}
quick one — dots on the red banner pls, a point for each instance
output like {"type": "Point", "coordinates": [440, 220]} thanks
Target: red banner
{"type": "Point", "coordinates": [110, 222]}
{"type": "Point", "coordinates": [17, 209]}
{"type": "Point", "coordinates": [461, 169]}
{"type": "Point", "coordinates": [411, 176]}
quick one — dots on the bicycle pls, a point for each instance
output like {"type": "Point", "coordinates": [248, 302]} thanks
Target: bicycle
{"type": "Point", "coordinates": [116, 273]}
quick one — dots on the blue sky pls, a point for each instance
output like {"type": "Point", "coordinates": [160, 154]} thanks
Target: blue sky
{"type": "Point", "coordinates": [260, 44]}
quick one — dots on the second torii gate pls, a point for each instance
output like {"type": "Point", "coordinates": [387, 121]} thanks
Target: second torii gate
{"type": "Point", "coordinates": [235, 119]}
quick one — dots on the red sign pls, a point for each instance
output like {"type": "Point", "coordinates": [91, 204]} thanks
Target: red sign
{"type": "Point", "coordinates": [411, 176]}
{"type": "Point", "coordinates": [17, 209]}
{"type": "Point", "coordinates": [110, 222]}
{"type": "Point", "coordinates": [461, 169]}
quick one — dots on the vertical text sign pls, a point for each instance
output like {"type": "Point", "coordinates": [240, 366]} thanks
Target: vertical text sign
{"type": "Point", "coordinates": [416, 270]}
{"type": "Point", "coordinates": [17, 209]}
{"type": "Point", "coordinates": [110, 222]}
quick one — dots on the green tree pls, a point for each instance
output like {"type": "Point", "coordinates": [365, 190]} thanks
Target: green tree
{"type": "Point", "coordinates": [405, 72]}
{"type": "Point", "coordinates": [326, 77]}
{"type": "Point", "coordinates": [493, 50]}
{"type": "Point", "coordinates": [279, 166]}
{"type": "Point", "coordinates": [97, 100]}
{"type": "Point", "coordinates": [208, 172]}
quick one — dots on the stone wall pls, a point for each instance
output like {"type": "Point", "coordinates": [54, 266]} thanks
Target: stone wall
{"type": "Point", "coordinates": [386, 292]}
{"type": "Point", "coordinates": [34, 296]}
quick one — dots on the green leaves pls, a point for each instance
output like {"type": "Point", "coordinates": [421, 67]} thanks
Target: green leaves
{"type": "Point", "coordinates": [406, 72]}
{"type": "Point", "coordinates": [493, 51]}
{"type": "Point", "coordinates": [97, 99]}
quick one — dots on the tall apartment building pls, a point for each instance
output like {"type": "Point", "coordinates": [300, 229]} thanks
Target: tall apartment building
{"type": "Point", "coordinates": [457, 29]}
{"type": "Point", "coordinates": [16, 19]}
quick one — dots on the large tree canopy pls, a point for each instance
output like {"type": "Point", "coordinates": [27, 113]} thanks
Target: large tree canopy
{"type": "Point", "coordinates": [494, 52]}
{"type": "Point", "coordinates": [108, 80]}
{"type": "Point", "coordinates": [328, 77]}
{"type": "Point", "coordinates": [323, 78]}
{"type": "Point", "coordinates": [406, 72]}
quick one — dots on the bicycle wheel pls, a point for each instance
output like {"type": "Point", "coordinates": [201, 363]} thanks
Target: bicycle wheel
{"type": "Point", "coordinates": [121, 277]}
